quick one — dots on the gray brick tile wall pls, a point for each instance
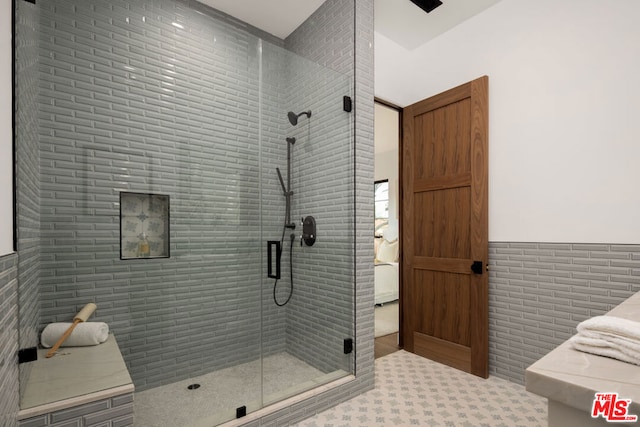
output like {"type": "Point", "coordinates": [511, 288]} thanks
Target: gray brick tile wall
{"type": "Point", "coordinates": [9, 375]}
{"type": "Point", "coordinates": [89, 126]}
{"type": "Point", "coordinates": [320, 315]}
{"type": "Point", "coordinates": [111, 412]}
{"type": "Point", "coordinates": [98, 122]}
{"type": "Point", "coordinates": [113, 119]}
{"type": "Point", "coordinates": [325, 33]}
{"type": "Point", "coordinates": [539, 292]}
{"type": "Point", "coordinates": [39, 421]}
{"type": "Point", "coordinates": [364, 176]}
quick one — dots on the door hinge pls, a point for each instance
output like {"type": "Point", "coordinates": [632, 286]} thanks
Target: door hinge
{"type": "Point", "coordinates": [347, 104]}
{"type": "Point", "coordinates": [29, 354]}
{"type": "Point", "coordinates": [348, 345]}
{"type": "Point", "coordinates": [241, 412]}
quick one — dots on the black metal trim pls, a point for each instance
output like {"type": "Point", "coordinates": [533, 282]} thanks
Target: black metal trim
{"type": "Point", "coordinates": [29, 354]}
{"type": "Point", "coordinates": [348, 345]}
{"type": "Point", "coordinates": [13, 125]}
{"type": "Point", "coordinates": [427, 5]}
{"type": "Point", "coordinates": [241, 412]}
{"type": "Point", "coordinates": [347, 104]}
{"type": "Point", "coordinates": [391, 105]}
{"type": "Point", "coordinates": [270, 245]}
{"type": "Point", "coordinates": [354, 159]}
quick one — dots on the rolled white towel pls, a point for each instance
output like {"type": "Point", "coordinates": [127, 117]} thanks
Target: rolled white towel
{"type": "Point", "coordinates": [84, 334]}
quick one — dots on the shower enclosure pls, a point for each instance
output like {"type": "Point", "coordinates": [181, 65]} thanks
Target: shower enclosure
{"type": "Point", "coordinates": [163, 127]}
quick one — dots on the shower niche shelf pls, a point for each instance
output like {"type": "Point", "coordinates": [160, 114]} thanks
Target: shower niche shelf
{"type": "Point", "coordinates": [144, 225]}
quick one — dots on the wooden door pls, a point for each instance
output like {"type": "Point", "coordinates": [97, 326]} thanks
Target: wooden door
{"type": "Point", "coordinates": [445, 228]}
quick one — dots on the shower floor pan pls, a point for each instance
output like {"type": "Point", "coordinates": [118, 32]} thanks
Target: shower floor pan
{"type": "Point", "coordinates": [221, 392]}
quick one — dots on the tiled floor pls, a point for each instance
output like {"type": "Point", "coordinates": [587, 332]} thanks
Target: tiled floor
{"type": "Point", "coordinates": [385, 345]}
{"type": "Point", "coordinates": [414, 391]}
{"type": "Point", "coordinates": [387, 318]}
{"type": "Point", "coordinates": [222, 391]}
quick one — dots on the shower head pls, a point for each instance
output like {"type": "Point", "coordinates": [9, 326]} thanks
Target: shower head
{"type": "Point", "coordinates": [293, 117]}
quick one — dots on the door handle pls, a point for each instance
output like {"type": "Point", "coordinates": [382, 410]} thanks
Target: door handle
{"type": "Point", "coordinates": [270, 245]}
{"type": "Point", "coordinates": [476, 267]}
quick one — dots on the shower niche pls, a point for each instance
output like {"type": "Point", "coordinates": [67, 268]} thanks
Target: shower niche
{"type": "Point", "coordinates": [144, 225]}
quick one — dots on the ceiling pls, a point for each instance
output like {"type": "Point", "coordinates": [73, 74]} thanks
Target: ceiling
{"type": "Point", "coordinates": [399, 20]}
{"type": "Point", "coordinates": [409, 26]}
{"type": "Point", "coordinates": [277, 17]}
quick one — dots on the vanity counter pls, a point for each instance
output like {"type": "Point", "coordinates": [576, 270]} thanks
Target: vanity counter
{"type": "Point", "coordinates": [569, 378]}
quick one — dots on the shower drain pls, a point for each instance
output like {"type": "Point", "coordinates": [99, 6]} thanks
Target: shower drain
{"type": "Point", "coordinates": [194, 386]}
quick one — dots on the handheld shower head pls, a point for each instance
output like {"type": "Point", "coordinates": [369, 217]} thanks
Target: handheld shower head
{"type": "Point", "coordinates": [293, 117]}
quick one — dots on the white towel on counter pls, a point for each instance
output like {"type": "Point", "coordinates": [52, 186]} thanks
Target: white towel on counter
{"type": "Point", "coordinates": [84, 334]}
{"type": "Point", "coordinates": [611, 326]}
{"type": "Point", "coordinates": [609, 336]}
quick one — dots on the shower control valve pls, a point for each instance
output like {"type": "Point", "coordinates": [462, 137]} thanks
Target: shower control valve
{"type": "Point", "coordinates": [308, 231]}
{"type": "Point", "coordinates": [307, 238]}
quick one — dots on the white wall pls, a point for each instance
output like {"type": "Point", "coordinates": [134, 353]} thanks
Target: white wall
{"type": "Point", "coordinates": [386, 122]}
{"type": "Point", "coordinates": [6, 156]}
{"type": "Point", "coordinates": [564, 128]}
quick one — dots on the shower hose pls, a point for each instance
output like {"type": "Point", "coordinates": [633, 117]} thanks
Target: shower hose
{"type": "Point", "coordinates": [275, 284]}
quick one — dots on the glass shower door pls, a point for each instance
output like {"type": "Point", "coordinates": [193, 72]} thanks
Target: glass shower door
{"type": "Point", "coordinates": [160, 190]}
{"type": "Point", "coordinates": [307, 203]}
{"type": "Point", "coordinates": [201, 307]}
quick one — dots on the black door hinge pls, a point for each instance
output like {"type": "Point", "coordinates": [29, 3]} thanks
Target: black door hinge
{"type": "Point", "coordinates": [27, 355]}
{"type": "Point", "coordinates": [241, 412]}
{"type": "Point", "coordinates": [348, 345]}
{"type": "Point", "coordinates": [347, 104]}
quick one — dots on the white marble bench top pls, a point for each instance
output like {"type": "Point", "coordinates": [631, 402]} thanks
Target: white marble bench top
{"type": "Point", "coordinates": [74, 376]}
{"type": "Point", "coordinates": [572, 377]}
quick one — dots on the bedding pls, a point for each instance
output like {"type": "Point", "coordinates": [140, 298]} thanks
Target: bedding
{"type": "Point", "coordinates": [386, 282]}
{"type": "Point", "coordinates": [386, 271]}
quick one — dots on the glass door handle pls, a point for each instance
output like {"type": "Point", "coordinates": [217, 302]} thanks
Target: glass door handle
{"type": "Point", "coordinates": [270, 246]}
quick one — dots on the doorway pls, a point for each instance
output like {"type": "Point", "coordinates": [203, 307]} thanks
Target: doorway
{"type": "Point", "coordinates": [387, 121]}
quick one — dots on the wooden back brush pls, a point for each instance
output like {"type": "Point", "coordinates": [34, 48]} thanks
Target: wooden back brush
{"type": "Point", "coordinates": [82, 316]}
